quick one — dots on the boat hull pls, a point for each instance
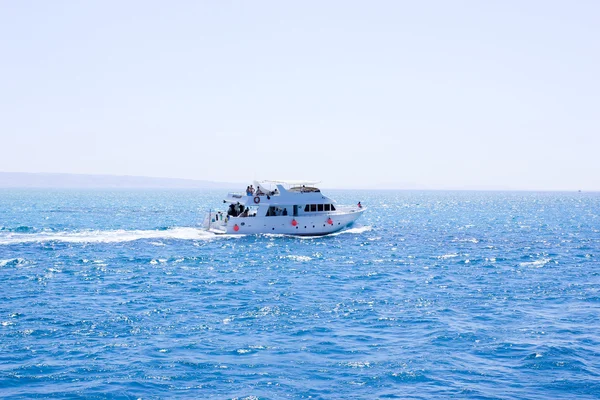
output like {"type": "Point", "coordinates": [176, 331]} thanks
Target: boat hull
{"type": "Point", "coordinates": [309, 225]}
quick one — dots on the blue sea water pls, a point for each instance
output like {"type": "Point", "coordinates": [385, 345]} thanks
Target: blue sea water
{"type": "Point", "coordinates": [119, 294]}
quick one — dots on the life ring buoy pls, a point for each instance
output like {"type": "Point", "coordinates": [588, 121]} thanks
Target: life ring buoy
{"type": "Point", "coordinates": [294, 222]}
{"type": "Point", "coordinates": [330, 221]}
{"type": "Point", "coordinates": [236, 228]}
{"type": "Point", "coordinates": [256, 200]}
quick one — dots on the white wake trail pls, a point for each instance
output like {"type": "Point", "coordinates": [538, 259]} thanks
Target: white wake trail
{"type": "Point", "coordinates": [109, 236]}
{"type": "Point", "coordinates": [355, 230]}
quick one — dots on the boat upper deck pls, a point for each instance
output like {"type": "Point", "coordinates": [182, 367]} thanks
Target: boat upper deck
{"type": "Point", "coordinates": [276, 193]}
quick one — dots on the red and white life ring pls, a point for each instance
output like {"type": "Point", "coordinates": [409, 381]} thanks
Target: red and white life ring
{"type": "Point", "coordinates": [256, 200]}
{"type": "Point", "coordinates": [236, 228]}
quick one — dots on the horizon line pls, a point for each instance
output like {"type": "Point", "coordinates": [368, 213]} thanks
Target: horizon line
{"type": "Point", "coordinates": [225, 184]}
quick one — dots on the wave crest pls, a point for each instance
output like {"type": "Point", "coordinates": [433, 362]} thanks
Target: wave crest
{"type": "Point", "coordinates": [18, 229]}
{"type": "Point", "coordinates": [12, 262]}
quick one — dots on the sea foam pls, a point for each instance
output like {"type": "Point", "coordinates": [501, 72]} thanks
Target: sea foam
{"type": "Point", "coordinates": [107, 236]}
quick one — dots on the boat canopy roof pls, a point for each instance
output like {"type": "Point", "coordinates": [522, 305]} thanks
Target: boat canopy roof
{"type": "Point", "coordinates": [287, 183]}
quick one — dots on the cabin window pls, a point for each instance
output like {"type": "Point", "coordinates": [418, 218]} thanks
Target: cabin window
{"type": "Point", "coordinates": [320, 207]}
{"type": "Point", "coordinates": [307, 208]}
{"type": "Point", "coordinates": [313, 207]}
{"type": "Point", "coordinates": [327, 207]}
{"type": "Point", "coordinates": [332, 208]}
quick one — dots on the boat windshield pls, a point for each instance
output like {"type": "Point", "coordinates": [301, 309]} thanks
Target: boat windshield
{"type": "Point", "coordinates": [294, 186]}
{"type": "Point", "coordinates": [304, 189]}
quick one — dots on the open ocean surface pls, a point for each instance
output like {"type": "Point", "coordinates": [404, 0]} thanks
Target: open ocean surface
{"type": "Point", "coordinates": [119, 294]}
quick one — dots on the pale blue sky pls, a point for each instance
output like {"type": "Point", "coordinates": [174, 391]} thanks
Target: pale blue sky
{"type": "Point", "coordinates": [435, 94]}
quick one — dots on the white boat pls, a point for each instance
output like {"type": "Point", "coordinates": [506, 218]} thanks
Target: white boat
{"type": "Point", "coordinates": [282, 207]}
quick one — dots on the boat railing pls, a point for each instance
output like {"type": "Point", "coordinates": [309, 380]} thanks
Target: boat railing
{"type": "Point", "coordinates": [238, 195]}
{"type": "Point", "coordinates": [214, 219]}
{"type": "Point", "coordinates": [346, 209]}
{"type": "Point", "coordinates": [242, 215]}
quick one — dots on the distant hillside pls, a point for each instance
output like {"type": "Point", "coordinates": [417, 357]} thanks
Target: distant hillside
{"type": "Point", "coordinates": [43, 180]}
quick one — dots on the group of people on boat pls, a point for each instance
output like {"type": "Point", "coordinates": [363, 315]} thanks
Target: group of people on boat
{"type": "Point", "coordinates": [239, 210]}
{"type": "Point", "coordinates": [219, 216]}
{"type": "Point", "coordinates": [250, 191]}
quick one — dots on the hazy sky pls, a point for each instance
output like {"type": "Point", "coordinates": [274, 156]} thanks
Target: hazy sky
{"type": "Point", "coordinates": [436, 94]}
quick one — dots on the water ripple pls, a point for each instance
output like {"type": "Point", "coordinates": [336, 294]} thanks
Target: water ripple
{"type": "Point", "coordinates": [467, 295]}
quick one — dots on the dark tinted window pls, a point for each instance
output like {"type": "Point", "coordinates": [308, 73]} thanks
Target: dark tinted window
{"type": "Point", "coordinates": [327, 207]}
{"type": "Point", "coordinates": [306, 208]}
{"type": "Point", "coordinates": [313, 207]}
{"type": "Point", "coordinates": [320, 207]}
{"type": "Point", "coordinates": [332, 207]}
